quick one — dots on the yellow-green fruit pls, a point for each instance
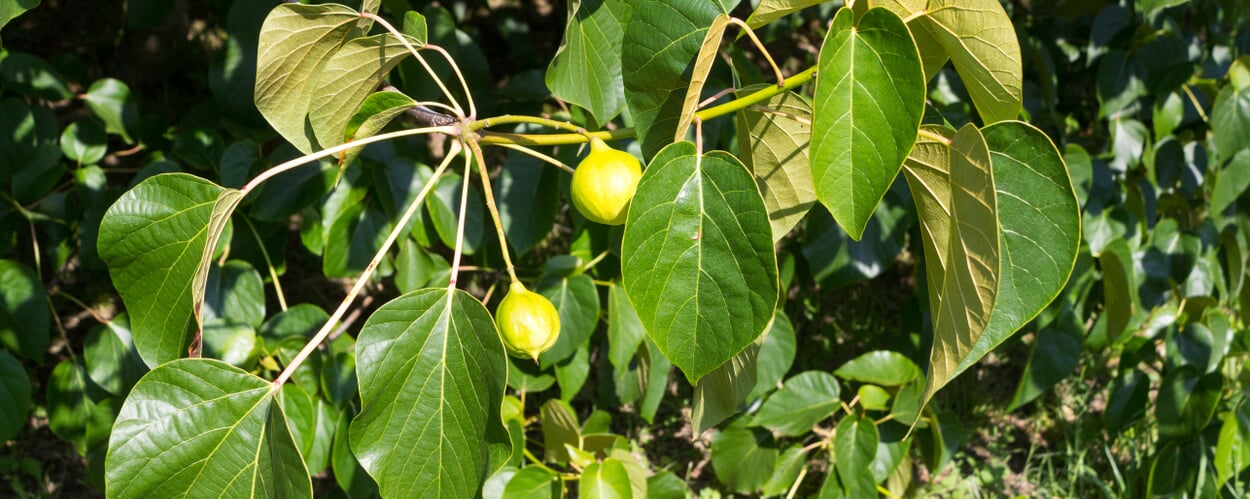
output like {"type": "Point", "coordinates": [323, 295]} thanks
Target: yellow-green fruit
{"type": "Point", "coordinates": [529, 323]}
{"type": "Point", "coordinates": [604, 183]}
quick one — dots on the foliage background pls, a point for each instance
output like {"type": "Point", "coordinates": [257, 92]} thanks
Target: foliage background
{"type": "Point", "coordinates": [1104, 80]}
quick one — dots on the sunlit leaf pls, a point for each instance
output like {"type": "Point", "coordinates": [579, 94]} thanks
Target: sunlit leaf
{"type": "Point", "coordinates": [697, 260]}
{"type": "Point", "coordinates": [586, 69]}
{"type": "Point", "coordinates": [204, 426]}
{"type": "Point", "coordinates": [804, 400]}
{"type": "Point", "coordinates": [431, 370]}
{"type": "Point", "coordinates": [170, 222]}
{"type": "Point", "coordinates": [778, 143]}
{"type": "Point", "coordinates": [866, 118]}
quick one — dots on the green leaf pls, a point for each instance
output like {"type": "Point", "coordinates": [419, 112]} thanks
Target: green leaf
{"type": "Point", "coordinates": [346, 81]}
{"type": "Point", "coordinates": [720, 393]}
{"type": "Point", "coordinates": [867, 117]}
{"type": "Point", "coordinates": [1230, 118]}
{"type": "Point", "coordinates": [1120, 298]}
{"type": "Point", "coordinates": [533, 482]}
{"type": "Point", "coordinates": [204, 426]}
{"type": "Point", "coordinates": [527, 191]}
{"type": "Point", "coordinates": [69, 405]}
{"type": "Point", "coordinates": [586, 70]}
{"type": "Point", "coordinates": [660, 43]}
{"type": "Point", "coordinates": [625, 331]}
{"type": "Point", "coordinates": [605, 480]}
{"type": "Point", "coordinates": [1039, 225]}
{"type": "Point", "coordinates": [31, 75]}
{"type": "Point", "coordinates": [378, 109]}
{"type": "Point", "coordinates": [743, 457]}
{"type": "Point", "coordinates": [1187, 400]}
{"type": "Point", "coordinates": [966, 297]}
{"type": "Point", "coordinates": [111, 359]}
{"type": "Point", "coordinates": [854, 449]}
{"type": "Point", "coordinates": [1231, 182]}
{"type": "Point", "coordinates": [778, 144]}
{"type": "Point", "coordinates": [698, 262]}
{"type": "Point", "coordinates": [776, 355]}
{"type": "Point", "coordinates": [14, 387]}
{"type": "Point", "coordinates": [804, 400]}
{"type": "Point", "coordinates": [1055, 354]}
{"type": "Point", "coordinates": [981, 41]}
{"type": "Point", "coordinates": [577, 301]}
{"type": "Point", "coordinates": [10, 10]}
{"type": "Point", "coordinates": [927, 171]}
{"type": "Point", "coordinates": [665, 485]}
{"type": "Point", "coordinates": [571, 373]}
{"type": "Point", "coordinates": [789, 464]}
{"type": "Point", "coordinates": [27, 144]}
{"type": "Point", "coordinates": [358, 232]}
{"type": "Point", "coordinates": [770, 10]}
{"type": "Point", "coordinates": [1232, 450]}
{"type": "Point", "coordinates": [443, 206]}
{"type": "Point", "coordinates": [24, 317]}
{"type": "Point", "coordinates": [560, 428]}
{"type": "Point", "coordinates": [111, 101]}
{"type": "Point", "coordinates": [295, 42]}
{"type": "Point", "coordinates": [431, 370]}
{"type": "Point", "coordinates": [84, 142]}
{"type": "Point", "coordinates": [312, 422]}
{"type": "Point", "coordinates": [415, 26]}
{"type": "Point", "coordinates": [172, 222]}
{"type": "Point", "coordinates": [698, 76]}
{"type": "Point", "coordinates": [880, 367]}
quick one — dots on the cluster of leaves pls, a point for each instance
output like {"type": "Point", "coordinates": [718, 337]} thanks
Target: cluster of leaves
{"type": "Point", "coordinates": [229, 372]}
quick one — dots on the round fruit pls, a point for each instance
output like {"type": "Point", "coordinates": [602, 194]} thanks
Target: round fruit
{"type": "Point", "coordinates": [604, 183]}
{"type": "Point", "coordinates": [529, 323]}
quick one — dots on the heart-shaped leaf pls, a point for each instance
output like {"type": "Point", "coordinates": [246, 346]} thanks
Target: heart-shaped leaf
{"type": "Point", "coordinates": [697, 258]}
{"type": "Point", "coordinates": [171, 222]}
{"type": "Point", "coordinates": [868, 105]}
{"type": "Point", "coordinates": [204, 426]}
{"type": "Point", "coordinates": [586, 69]}
{"type": "Point", "coordinates": [431, 370]}
{"type": "Point", "coordinates": [804, 400]}
{"type": "Point", "coordinates": [778, 144]}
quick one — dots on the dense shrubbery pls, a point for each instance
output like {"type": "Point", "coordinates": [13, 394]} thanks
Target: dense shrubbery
{"type": "Point", "coordinates": [807, 266]}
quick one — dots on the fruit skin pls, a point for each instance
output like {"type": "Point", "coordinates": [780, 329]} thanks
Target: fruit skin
{"type": "Point", "coordinates": [528, 322]}
{"type": "Point", "coordinates": [604, 182]}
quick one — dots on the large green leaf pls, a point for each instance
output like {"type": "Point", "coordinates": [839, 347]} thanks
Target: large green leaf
{"type": "Point", "coordinates": [927, 170]}
{"type": "Point", "coordinates": [586, 69]}
{"type": "Point", "coordinates": [346, 80]}
{"type": "Point", "coordinates": [431, 370]}
{"type": "Point", "coordinates": [295, 43]}
{"type": "Point", "coordinates": [981, 42]}
{"type": "Point", "coordinates": [778, 144]}
{"type": "Point", "coordinates": [202, 427]}
{"type": "Point", "coordinates": [157, 240]}
{"type": "Point", "coordinates": [1038, 219]}
{"type": "Point", "coordinates": [854, 449]}
{"type": "Point", "coordinates": [804, 400]}
{"type": "Point", "coordinates": [867, 111]}
{"type": "Point", "coordinates": [743, 457]}
{"type": "Point", "coordinates": [1230, 115]}
{"type": "Point", "coordinates": [577, 301]}
{"type": "Point", "coordinates": [697, 258]}
{"type": "Point", "coordinates": [659, 47]}
{"type": "Point", "coordinates": [24, 317]}
{"type": "Point", "coordinates": [962, 309]}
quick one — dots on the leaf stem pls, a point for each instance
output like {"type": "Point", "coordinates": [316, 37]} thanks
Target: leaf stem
{"type": "Point", "coordinates": [494, 211]}
{"type": "Point", "coordinates": [273, 274]}
{"type": "Point", "coordinates": [768, 57]}
{"type": "Point", "coordinates": [364, 276]}
{"type": "Point", "coordinates": [404, 40]}
{"type": "Point", "coordinates": [545, 158]}
{"type": "Point", "coordinates": [512, 119]}
{"type": "Point", "coordinates": [309, 158]}
{"type": "Point", "coordinates": [464, 210]}
{"type": "Point", "coordinates": [625, 133]}
{"type": "Point", "coordinates": [933, 136]}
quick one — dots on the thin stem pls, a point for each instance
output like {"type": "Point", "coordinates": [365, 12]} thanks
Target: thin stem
{"type": "Point", "coordinates": [273, 274]}
{"type": "Point", "coordinates": [494, 211]}
{"type": "Point", "coordinates": [717, 95]}
{"type": "Point", "coordinates": [364, 276]}
{"type": "Point", "coordinates": [1194, 99]}
{"type": "Point", "coordinates": [593, 261]}
{"type": "Point", "coordinates": [547, 159]}
{"type": "Point", "coordinates": [324, 153]}
{"type": "Point", "coordinates": [404, 40]}
{"type": "Point", "coordinates": [464, 85]}
{"type": "Point", "coordinates": [512, 119]}
{"type": "Point", "coordinates": [797, 481]}
{"type": "Point", "coordinates": [464, 209]}
{"type": "Point", "coordinates": [768, 57]}
{"type": "Point", "coordinates": [914, 15]}
{"type": "Point", "coordinates": [90, 311]}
